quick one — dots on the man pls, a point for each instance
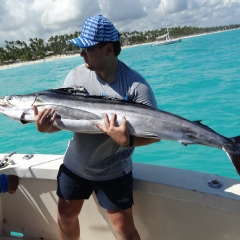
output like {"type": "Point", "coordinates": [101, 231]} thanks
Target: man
{"type": "Point", "coordinates": [101, 163]}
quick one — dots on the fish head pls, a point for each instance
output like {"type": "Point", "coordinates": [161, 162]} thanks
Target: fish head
{"type": "Point", "coordinates": [17, 106]}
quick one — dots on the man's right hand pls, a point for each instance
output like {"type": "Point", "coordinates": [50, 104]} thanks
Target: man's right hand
{"type": "Point", "coordinates": [13, 182]}
{"type": "Point", "coordinates": [44, 120]}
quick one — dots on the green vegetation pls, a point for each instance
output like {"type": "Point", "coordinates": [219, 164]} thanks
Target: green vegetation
{"type": "Point", "coordinates": [37, 48]}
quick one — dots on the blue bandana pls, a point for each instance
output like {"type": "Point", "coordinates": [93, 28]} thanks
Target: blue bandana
{"type": "Point", "coordinates": [96, 29]}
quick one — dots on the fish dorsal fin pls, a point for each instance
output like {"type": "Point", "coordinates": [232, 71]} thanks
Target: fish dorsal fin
{"type": "Point", "coordinates": [72, 90]}
{"type": "Point", "coordinates": [199, 122]}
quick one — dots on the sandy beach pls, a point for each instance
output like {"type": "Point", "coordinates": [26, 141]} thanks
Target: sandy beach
{"type": "Point", "coordinates": [58, 57]}
{"type": "Point", "coordinates": [52, 58]}
{"type": "Point", "coordinates": [47, 59]}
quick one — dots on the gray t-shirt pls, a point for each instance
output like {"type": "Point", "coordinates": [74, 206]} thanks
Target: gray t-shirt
{"type": "Point", "coordinates": [96, 156]}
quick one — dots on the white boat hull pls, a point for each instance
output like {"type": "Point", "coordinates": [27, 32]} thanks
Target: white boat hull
{"type": "Point", "coordinates": [169, 204]}
{"type": "Point", "coordinates": [166, 42]}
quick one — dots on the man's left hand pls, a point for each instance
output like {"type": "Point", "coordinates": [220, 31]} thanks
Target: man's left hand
{"type": "Point", "coordinates": [119, 134]}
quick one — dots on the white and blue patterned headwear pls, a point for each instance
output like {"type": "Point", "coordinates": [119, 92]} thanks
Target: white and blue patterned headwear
{"type": "Point", "coordinates": [96, 29]}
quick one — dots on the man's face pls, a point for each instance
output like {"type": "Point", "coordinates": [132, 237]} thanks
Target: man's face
{"type": "Point", "coordinates": [94, 57]}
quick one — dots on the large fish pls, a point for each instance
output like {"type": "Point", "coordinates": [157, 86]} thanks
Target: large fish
{"type": "Point", "coordinates": [78, 112]}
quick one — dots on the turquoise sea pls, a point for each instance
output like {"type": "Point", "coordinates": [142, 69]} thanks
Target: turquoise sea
{"type": "Point", "coordinates": [197, 79]}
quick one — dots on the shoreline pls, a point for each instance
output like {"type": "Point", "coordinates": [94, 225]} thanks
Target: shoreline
{"type": "Point", "coordinates": [47, 59]}
{"type": "Point", "coordinates": [58, 57]}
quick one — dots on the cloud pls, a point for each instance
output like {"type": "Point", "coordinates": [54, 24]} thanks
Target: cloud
{"type": "Point", "coordinates": [60, 14]}
{"type": "Point", "coordinates": [121, 10]}
{"type": "Point", "coordinates": [21, 20]}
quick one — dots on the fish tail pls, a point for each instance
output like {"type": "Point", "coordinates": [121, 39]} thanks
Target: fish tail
{"type": "Point", "coordinates": [233, 152]}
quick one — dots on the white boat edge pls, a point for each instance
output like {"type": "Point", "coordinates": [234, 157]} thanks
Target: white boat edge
{"type": "Point", "coordinates": [169, 204]}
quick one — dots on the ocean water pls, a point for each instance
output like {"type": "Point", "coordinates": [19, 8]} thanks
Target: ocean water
{"type": "Point", "coordinates": [197, 79]}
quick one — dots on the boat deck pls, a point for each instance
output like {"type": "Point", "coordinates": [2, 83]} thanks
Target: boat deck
{"type": "Point", "coordinates": [178, 204]}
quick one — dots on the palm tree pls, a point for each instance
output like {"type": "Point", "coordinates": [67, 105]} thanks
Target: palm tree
{"type": "Point", "coordinates": [37, 48]}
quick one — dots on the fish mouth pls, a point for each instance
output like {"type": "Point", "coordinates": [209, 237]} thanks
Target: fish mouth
{"type": "Point", "coordinates": [1, 104]}
{"type": "Point", "coordinates": [4, 103]}
{"type": "Point", "coordinates": [1, 101]}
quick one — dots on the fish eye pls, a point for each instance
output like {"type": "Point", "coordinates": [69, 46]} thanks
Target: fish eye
{"type": "Point", "coordinates": [9, 98]}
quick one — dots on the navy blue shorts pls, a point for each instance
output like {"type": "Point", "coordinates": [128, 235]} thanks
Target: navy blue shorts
{"type": "Point", "coordinates": [115, 194]}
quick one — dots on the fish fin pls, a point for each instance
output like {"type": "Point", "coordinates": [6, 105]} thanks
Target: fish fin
{"type": "Point", "coordinates": [233, 152]}
{"type": "Point", "coordinates": [198, 122]}
{"type": "Point", "coordinates": [23, 119]}
{"type": "Point", "coordinates": [72, 90]}
{"type": "Point", "coordinates": [145, 134]}
{"type": "Point", "coordinates": [24, 122]}
{"type": "Point", "coordinates": [185, 143]}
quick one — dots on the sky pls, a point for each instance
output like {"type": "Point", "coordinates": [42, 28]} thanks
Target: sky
{"type": "Point", "coordinates": [24, 19]}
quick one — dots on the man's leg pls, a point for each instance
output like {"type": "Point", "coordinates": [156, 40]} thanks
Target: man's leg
{"type": "Point", "coordinates": [68, 224]}
{"type": "Point", "coordinates": [76, 189]}
{"type": "Point", "coordinates": [123, 224]}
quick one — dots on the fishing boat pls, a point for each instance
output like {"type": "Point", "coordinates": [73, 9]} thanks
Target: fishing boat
{"type": "Point", "coordinates": [170, 203]}
{"type": "Point", "coordinates": [165, 39]}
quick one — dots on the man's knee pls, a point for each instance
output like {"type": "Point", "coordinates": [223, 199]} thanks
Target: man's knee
{"type": "Point", "coordinates": [69, 210]}
{"type": "Point", "coordinates": [122, 222]}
